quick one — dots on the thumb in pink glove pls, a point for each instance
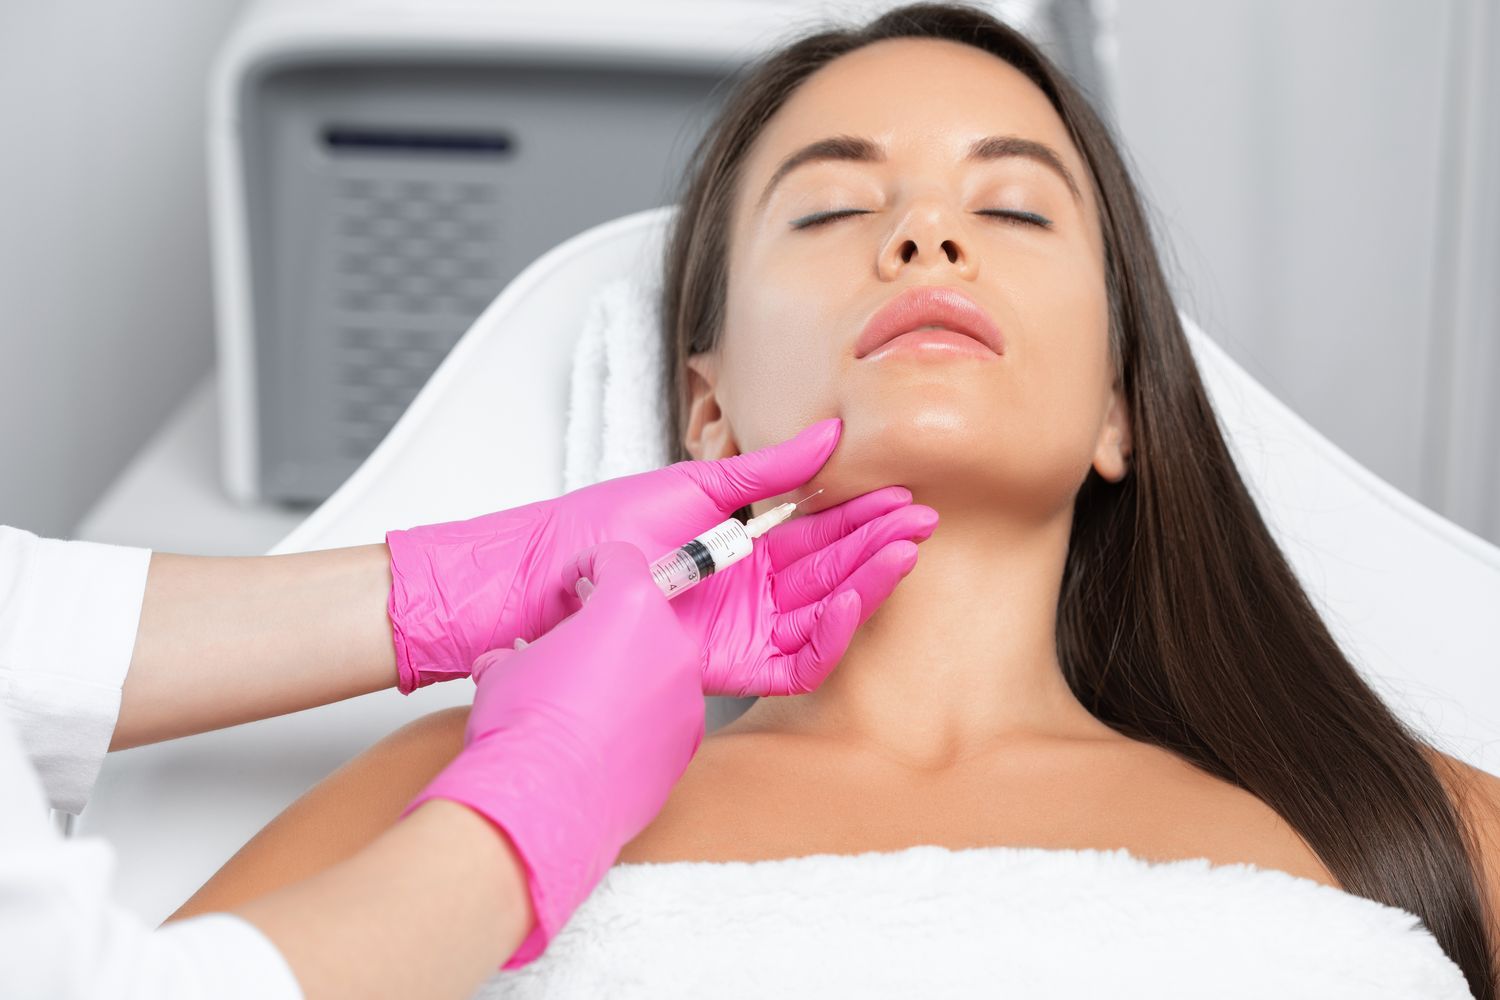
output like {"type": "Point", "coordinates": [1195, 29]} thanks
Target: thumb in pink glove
{"type": "Point", "coordinates": [464, 587]}
{"type": "Point", "coordinates": [574, 743]}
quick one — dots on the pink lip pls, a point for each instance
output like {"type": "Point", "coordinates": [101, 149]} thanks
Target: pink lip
{"type": "Point", "coordinates": [929, 305]}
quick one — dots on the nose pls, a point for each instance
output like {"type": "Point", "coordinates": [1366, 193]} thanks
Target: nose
{"type": "Point", "coordinates": [927, 236]}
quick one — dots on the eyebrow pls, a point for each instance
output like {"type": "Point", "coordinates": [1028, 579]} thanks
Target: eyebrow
{"type": "Point", "coordinates": [856, 148]}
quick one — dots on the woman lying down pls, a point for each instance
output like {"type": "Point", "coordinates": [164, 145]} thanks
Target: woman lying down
{"type": "Point", "coordinates": [1098, 742]}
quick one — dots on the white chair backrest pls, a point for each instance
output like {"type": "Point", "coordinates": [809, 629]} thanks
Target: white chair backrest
{"type": "Point", "coordinates": [1412, 598]}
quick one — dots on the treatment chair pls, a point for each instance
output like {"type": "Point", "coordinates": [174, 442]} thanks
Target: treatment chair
{"type": "Point", "coordinates": [1412, 598]}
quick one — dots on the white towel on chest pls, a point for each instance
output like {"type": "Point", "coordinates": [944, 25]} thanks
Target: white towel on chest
{"type": "Point", "coordinates": [995, 921]}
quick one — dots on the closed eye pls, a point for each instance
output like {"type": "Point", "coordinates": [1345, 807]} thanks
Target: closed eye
{"type": "Point", "coordinates": [1023, 218]}
{"type": "Point", "coordinates": [818, 218]}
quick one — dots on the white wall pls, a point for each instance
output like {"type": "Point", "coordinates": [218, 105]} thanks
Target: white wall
{"type": "Point", "coordinates": [105, 309]}
{"type": "Point", "coordinates": [1302, 157]}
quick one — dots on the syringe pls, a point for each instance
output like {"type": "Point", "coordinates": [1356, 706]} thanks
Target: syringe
{"type": "Point", "coordinates": [723, 545]}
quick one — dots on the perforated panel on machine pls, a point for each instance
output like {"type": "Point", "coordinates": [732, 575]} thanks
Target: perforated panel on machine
{"type": "Point", "coordinates": [415, 261]}
{"type": "Point", "coordinates": [393, 202]}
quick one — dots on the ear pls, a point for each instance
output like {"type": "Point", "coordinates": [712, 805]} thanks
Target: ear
{"type": "Point", "coordinates": [1112, 455]}
{"type": "Point", "coordinates": [707, 434]}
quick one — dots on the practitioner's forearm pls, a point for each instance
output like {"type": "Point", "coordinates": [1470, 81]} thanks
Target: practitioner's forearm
{"type": "Point", "coordinates": [225, 640]}
{"type": "Point", "coordinates": [431, 908]}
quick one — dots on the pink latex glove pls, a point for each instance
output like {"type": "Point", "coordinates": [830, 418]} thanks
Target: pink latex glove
{"type": "Point", "coordinates": [575, 742]}
{"type": "Point", "coordinates": [767, 623]}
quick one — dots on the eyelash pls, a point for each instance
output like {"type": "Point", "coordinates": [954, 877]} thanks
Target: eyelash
{"type": "Point", "coordinates": [1023, 218]}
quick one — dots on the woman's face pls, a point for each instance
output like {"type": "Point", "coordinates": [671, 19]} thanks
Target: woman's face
{"type": "Point", "coordinates": [1024, 425]}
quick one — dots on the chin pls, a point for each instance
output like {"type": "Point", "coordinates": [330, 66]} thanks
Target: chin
{"type": "Point", "coordinates": [880, 447]}
{"type": "Point", "coordinates": [946, 455]}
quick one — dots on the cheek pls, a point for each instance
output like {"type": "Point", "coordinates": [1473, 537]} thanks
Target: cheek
{"type": "Point", "coordinates": [780, 362]}
{"type": "Point", "coordinates": [1064, 372]}
{"type": "Point", "coordinates": [774, 387]}
{"type": "Point", "coordinates": [1070, 357]}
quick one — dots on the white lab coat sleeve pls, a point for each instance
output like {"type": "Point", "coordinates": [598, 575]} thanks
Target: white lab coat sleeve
{"type": "Point", "coordinates": [62, 938]}
{"type": "Point", "coordinates": [69, 611]}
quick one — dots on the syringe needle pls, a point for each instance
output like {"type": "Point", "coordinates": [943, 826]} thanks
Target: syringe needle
{"type": "Point", "coordinates": [808, 497]}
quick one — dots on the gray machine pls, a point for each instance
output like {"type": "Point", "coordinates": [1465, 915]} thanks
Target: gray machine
{"type": "Point", "coordinates": [380, 171]}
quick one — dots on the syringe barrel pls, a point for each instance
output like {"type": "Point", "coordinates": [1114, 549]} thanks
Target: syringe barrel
{"type": "Point", "coordinates": [682, 569]}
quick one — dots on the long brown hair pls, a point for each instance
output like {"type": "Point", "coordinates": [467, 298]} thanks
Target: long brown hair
{"type": "Point", "coordinates": [1180, 623]}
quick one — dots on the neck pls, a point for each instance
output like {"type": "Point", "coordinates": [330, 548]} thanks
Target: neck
{"type": "Point", "coordinates": [961, 656]}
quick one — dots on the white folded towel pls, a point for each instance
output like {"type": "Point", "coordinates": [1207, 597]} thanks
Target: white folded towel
{"type": "Point", "coordinates": [616, 399]}
{"type": "Point", "coordinates": [991, 921]}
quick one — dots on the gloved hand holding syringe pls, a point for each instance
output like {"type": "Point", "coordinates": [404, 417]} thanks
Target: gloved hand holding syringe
{"type": "Point", "coordinates": [463, 588]}
{"type": "Point", "coordinates": [714, 550]}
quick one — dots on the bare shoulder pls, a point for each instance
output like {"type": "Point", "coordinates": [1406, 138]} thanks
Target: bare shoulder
{"type": "Point", "coordinates": [1465, 780]}
{"type": "Point", "coordinates": [702, 819]}
{"type": "Point", "coordinates": [1476, 795]}
{"type": "Point", "coordinates": [1199, 814]}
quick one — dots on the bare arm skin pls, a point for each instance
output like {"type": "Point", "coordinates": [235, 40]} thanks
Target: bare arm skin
{"type": "Point", "coordinates": [225, 640]}
{"type": "Point", "coordinates": [354, 899]}
{"type": "Point", "coordinates": [1476, 794]}
{"type": "Point", "coordinates": [431, 908]}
